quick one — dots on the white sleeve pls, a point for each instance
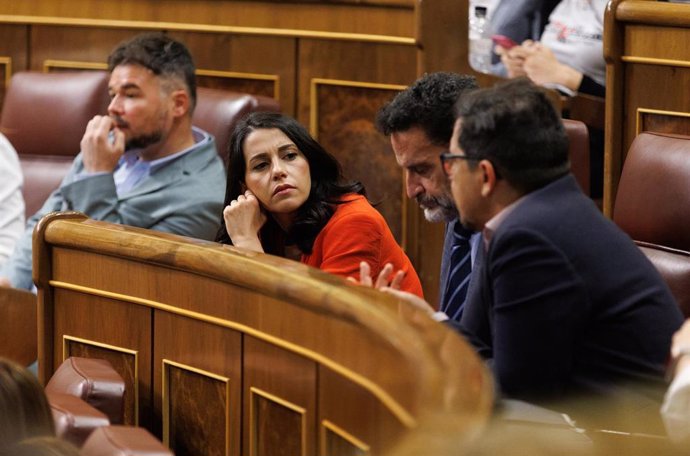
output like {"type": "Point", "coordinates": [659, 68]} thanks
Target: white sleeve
{"type": "Point", "coordinates": [11, 199]}
{"type": "Point", "coordinates": [676, 408]}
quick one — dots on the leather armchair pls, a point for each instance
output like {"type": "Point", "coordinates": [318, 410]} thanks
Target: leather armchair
{"type": "Point", "coordinates": [74, 419]}
{"type": "Point", "coordinates": [123, 441]}
{"type": "Point", "coordinates": [93, 380]}
{"type": "Point", "coordinates": [44, 116]}
{"type": "Point", "coordinates": [217, 111]}
{"type": "Point", "coordinates": [652, 206]}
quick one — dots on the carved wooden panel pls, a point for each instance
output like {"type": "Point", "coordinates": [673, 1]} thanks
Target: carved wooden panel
{"type": "Point", "coordinates": [123, 360]}
{"type": "Point", "coordinates": [355, 426]}
{"type": "Point", "coordinates": [661, 121]}
{"type": "Point", "coordinates": [195, 407]}
{"type": "Point", "coordinates": [57, 66]}
{"type": "Point", "coordinates": [87, 323]}
{"type": "Point", "coordinates": [279, 401]}
{"type": "Point", "coordinates": [342, 120]}
{"type": "Point", "coordinates": [197, 385]}
{"type": "Point", "coordinates": [254, 84]}
{"type": "Point", "coordinates": [277, 427]}
{"type": "Point", "coordinates": [263, 65]}
{"type": "Point", "coordinates": [661, 110]}
{"type": "Point", "coordinates": [74, 44]}
{"type": "Point", "coordinates": [336, 442]}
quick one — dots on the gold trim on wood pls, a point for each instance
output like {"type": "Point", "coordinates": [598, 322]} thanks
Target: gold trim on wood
{"type": "Point", "coordinates": [72, 65]}
{"type": "Point", "coordinates": [235, 75]}
{"type": "Point", "coordinates": [282, 402]}
{"type": "Point", "coordinates": [128, 351]}
{"type": "Point", "coordinates": [640, 111]}
{"type": "Point", "coordinates": [166, 398]}
{"type": "Point", "coordinates": [394, 406]}
{"type": "Point", "coordinates": [206, 28]}
{"type": "Point", "coordinates": [343, 434]}
{"type": "Point", "coordinates": [7, 61]}
{"type": "Point", "coordinates": [655, 61]}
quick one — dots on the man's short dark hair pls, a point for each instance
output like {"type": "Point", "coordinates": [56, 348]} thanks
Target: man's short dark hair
{"type": "Point", "coordinates": [515, 126]}
{"type": "Point", "coordinates": [428, 104]}
{"type": "Point", "coordinates": [161, 54]}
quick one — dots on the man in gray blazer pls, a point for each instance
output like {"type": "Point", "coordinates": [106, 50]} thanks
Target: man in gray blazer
{"type": "Point", "coordinates": [419, 121]}
{"type": "Point", "coordinates": [143, 164]}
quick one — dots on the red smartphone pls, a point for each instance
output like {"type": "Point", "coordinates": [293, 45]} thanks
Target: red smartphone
{"type": "Point", "coordinates": [503, 41]}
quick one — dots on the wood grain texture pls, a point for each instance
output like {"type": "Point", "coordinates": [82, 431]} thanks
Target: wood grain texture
{"type": "Point", "coordinates": [368, 19]}
{"type": "Point", "coordinates": [18, 323]}
{"type": "Point", "coordinates": [94, 322]}
{"type": "Point", "coordinates": [345, 127]}
{"type": "Point", "coordinates": [211, 404]}
{"type": "Point", "coordinates": [309, 339]}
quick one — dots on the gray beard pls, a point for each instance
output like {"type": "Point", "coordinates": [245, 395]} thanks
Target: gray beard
{"type": "Point", "coordinates": [438, 209]}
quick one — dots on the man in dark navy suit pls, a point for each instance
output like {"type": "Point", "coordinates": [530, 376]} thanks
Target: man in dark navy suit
{"type": "Point", "coordinates": [567, 305]}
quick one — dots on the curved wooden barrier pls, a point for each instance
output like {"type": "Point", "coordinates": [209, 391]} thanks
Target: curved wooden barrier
{"type": "Point", "coordinates": [229, 352]}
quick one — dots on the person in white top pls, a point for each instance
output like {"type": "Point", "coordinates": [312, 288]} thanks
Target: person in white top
{"type": "Point", "coordinates": [11, 199]}
{"type": "Point", "coordinates": [569, 56]}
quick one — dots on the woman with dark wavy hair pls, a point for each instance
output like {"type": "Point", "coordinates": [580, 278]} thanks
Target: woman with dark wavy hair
{"type": "Point", "coordinates": [24, 409]}
{"type": "Point", "coordinates": [284, 188]}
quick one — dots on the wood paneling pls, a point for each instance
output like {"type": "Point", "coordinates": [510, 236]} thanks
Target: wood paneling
{"type": "Point", "coordinates": [343, 113]}
{"type": "Point", "coordinates": [197, 385]}
{"type": "Point", "coordinates": [378, 20]}
{"type": "Point", "coordinates": [123, 360]}
{"type": "Point", "coordinates": [647, 50]}
{"type": "Point", "coordinates": [294, 359]}
{"type": "Point", "coordinates": [260, 55]}
{"type": "Point", "coordinates": [280, 401]}
{"type": "Point", "coordinates": [88, 324]}
{"type": "Point", "coordinates": [280, 47]}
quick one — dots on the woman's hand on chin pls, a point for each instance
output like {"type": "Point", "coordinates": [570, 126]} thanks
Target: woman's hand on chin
{"type": "Point", "coordinates": [243, 220]}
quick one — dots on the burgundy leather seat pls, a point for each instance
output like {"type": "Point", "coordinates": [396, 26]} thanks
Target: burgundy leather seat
{"type": "Point", "coordinates": [93, 380]}
{"type": "Point", "coordinates": [123, 441]}
{"type": "Point", "coordinates": [44, 116]}
{"type": "Point", "coordinates": [217, 111]}
{"type": "Point", "coordinates": [578, 151]}
{"type": "Point", "coordinates": [74, 419]}
{"type": "Point", "coordinates": [653, 206]}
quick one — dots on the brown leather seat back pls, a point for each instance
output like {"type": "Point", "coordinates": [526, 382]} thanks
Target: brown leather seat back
{"type": "Point", "coordinates": [123, 441]}
{"type": "Point", "coordinates": [653, 206]}
{"type": "Point", "coordinates": [578, 151]}
{"type": "Point", "coordinates": [674, 266]}
{"type": "Point", "coordinates": [217, 111]}
{"type": "Point", "coordinates": [74, 419]}
{"type": "Point", "coordinates": [93, 380]}
{"type": "Point", "coordinates": [653, 199]}
{"type": "Point", "coordinates": [44, 116]}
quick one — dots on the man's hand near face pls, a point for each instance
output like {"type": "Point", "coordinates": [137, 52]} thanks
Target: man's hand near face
{"type": "Point", "coordinates": [98, 152]}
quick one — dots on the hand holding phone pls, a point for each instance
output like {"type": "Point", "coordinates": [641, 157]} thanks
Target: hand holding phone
{"type": "Point", "coordinates": [503, 41]}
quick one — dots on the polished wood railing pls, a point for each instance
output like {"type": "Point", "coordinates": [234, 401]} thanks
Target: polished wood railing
{"type": "Point", "coordinates": [230, 352]}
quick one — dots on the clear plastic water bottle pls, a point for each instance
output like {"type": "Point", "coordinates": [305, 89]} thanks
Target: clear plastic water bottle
{"type": "Point", "coordinates": [480, 40]}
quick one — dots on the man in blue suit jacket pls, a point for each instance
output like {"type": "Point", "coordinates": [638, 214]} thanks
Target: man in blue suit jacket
{"type": "Point", "coordinates": [419, 121]}
{"type": "Point", "coordinates": [143, 164]}
{"type": "Point", "coordinates": [566, 304]}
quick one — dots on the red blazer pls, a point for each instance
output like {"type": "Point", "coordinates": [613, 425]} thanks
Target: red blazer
{"type": "Point", "coordinates": [357, 232]}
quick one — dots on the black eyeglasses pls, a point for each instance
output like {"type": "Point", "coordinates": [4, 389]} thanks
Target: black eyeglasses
{"type": "Point", "coordinates": [447, 157]}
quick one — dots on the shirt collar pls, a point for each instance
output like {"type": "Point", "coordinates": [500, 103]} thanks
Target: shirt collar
{"type": "Point", "coordinates": [492, 225]}
{"type": "Point", "coordinates": [131, 157]}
